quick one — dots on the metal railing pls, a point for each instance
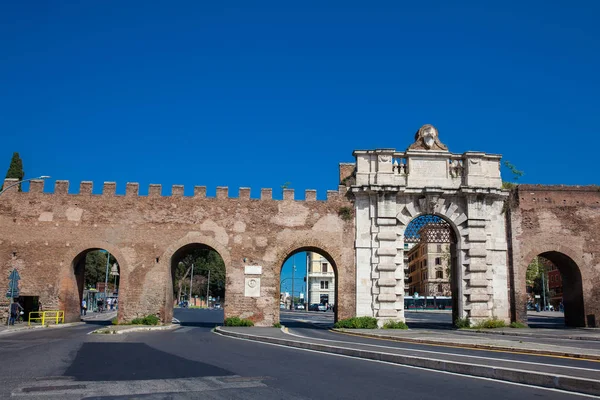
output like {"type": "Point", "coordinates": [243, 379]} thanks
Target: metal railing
{"type": "Point", "coordinates": [46, 317]}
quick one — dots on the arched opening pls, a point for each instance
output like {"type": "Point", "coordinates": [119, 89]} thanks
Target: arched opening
{"type": "Point", "coordinates": [97, 274]}
{"type": "Point", "coordinates": [197, 289]}
{"type": "Point", "coordinates": [554, 292]}
{"type": "Point", "coordinates": [430, 273]}
{"type": "Point", "coordinates": [308, 289]}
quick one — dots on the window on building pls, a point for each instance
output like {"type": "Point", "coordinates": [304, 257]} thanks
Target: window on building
{"type": "Point", "coordinates": [440, 288]}
{"type": "Point", "coordinates": [322, 284]}
{"type": "Point", "coordinates": [323, 267]}
{"type": "Point", "coordinates": [439, 274]}
{"type": "Point", "coordinates": [438, 261]}
{"type": "Point", "coordinates": [326, 285]}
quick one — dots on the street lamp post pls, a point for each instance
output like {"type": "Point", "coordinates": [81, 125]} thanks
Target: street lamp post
{"type": "Point", "coordinates": [24, 180]}
{"type": "Point", "coordinates": [293, 270]}
{"type": "Point", "coordinates": [191, 284]}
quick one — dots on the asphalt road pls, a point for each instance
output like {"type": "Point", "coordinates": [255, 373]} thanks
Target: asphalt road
{"type": "Point", "coordinates": [192, 362]}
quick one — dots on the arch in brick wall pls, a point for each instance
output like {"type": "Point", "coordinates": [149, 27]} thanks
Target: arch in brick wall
{"type": "Point", "coordinates": [317, 247]}
{"type": "Point", "coordinates": [563, 258]}
{"type": "Point", "coordinates": [456, 269]}
{"type": "Point", "coordinates": [70, 290]}
{"type": "Point", "coordinates": [169, 257]}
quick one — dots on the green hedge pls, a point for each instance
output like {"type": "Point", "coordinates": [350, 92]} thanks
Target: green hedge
{"type": "Point", "coordinates": [236, 321]}
{"type": "Point", "coordinates": [357, 323]}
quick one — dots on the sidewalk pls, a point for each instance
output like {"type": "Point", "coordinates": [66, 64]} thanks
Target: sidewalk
{"type": "Point", "coordinates": [551, 373]}
{"type": "Point", "coordinates": [483, 339]}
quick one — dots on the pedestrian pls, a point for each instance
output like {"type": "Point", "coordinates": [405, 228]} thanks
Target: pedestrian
{"type": "Point", "coordinates": [100, 305]}
{"type": "Point", "coordinates": [109, 304]}
{"type": "Point", "coordinates": [83, 307]}
{"type": "Point", "coordinates": [15, 309]}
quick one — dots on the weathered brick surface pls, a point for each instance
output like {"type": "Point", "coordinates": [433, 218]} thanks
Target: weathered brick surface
{"type": "Point", "coordinates": [42, 235]}
{"type": "Point", "coordinates": [558, 221]}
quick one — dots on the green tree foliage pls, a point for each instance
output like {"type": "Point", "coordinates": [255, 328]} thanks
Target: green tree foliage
{"type": "Point", "coordinates": [204, 260]}
{"type": "Point", "coordinates": [516, 174]}
{"type": "Point", "coordinates": [95, 268]}
{"type": "Point", "coordinates": [15, 170]}
{"type": "Point", "coordinates": [533, 276]}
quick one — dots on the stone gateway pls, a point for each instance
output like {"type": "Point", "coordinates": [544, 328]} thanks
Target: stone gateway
{"type": "Point", "coordinates": [359, 228]}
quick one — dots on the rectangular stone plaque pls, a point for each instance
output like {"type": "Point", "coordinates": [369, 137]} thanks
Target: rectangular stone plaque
{"type": "Point", "coordinates": [252, 287]}
{"type": "Point", "coordinates": [253, 270]}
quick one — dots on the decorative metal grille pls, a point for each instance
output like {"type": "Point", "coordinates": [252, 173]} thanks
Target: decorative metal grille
{"type": "Point", "coordinates": [429, 229]}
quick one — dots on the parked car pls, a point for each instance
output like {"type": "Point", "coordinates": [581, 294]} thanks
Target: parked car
{"type": "Point", "coordinates": [281, 306]}
{"type": "Point", "coordinates": [299, 306]}
{"type": "Point", "coordinates": [218, 306]}
{"type": "Point", "coordinates": [183, 304]}
{"type": "Point", "coordinates": [314, 307]}
{"type": "Point", "coordinates": [322, 307]}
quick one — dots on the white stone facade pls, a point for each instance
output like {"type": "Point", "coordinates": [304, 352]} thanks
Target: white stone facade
{"type": "Point", "coordinates": [392, 188]}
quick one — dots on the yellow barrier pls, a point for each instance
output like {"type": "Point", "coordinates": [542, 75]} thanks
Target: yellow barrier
{"type": "Point", "coordinates": [45, 317]}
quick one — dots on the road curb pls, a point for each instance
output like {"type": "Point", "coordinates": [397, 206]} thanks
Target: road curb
{"type": "Point", "coordinates": [554, 381]}
{"type": "Point", "coordinates": [591, 357]}
{"type": "Point", "coordinates": [28, 328]}
{"type": "Point", "coordinates": [535, 335]}
{"type": "Point", "coordinates": [108, 330]}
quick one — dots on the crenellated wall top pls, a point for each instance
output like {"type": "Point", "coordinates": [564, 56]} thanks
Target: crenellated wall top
{"type": "Point", "coordinates": [61, 188]}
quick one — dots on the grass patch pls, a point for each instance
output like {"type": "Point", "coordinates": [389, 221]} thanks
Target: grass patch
{"type": "Point", "coordinates": [490, 324]}
{"type": "Point", "coordinates": [518, 325]}
{"type": "Point", "coordinates": [236, 321]}
{"type": "Point", "coordinates": [462, 323]}
{"type": "Point", "coordinates": [277, 325]}
{"type": "Point", "coordinates": [395, 325]}
{"type": "Point", "coordinates": [357, 323]}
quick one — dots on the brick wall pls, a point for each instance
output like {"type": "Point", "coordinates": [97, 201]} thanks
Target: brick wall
{"type": "Point", "coordinates": [562, 223]}
{"type": "Point", "coordinates": [41, 234]}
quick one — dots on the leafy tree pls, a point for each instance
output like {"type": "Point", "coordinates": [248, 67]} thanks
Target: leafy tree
{"type": "Point", "coordinates": [516, 175]}
{"type": "Point", "coordinates": [204, 260]}
{"type": "Point", "coordinates": [15, 170]}
{"type": "Point", "coordinates": [533, 277]}
{"type": "Point", "coordinates": [95, 268]}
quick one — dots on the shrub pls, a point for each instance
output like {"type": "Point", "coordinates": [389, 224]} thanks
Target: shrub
{"type": "Point", "coordinates": [236, 321]}
{"type": "Point", "coordinates": [114, 321]}
{"type": "Point", "coordinates": [517, 325]}
{"type": "Point", "coordinates": [357, 323]}
{"type": "Point", "coordinates": [346, 213]}
{"type": "Point", "coordinates": [147, 320]}
{"type": "Point", "coordinates": [276, 325]}
{"type": "Point", "coordinates": [462, 323]}
{"type": "Point", "coordinates": [395, 325]}
{"type": "Point", "coordinates": [490, 324]}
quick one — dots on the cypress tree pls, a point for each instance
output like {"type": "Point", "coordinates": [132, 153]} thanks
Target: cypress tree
{"type": "Point", "coordinates": [15, 170]}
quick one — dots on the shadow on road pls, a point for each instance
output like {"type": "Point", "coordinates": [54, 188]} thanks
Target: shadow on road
{"type": "Point", "coordinates": [134, 361]}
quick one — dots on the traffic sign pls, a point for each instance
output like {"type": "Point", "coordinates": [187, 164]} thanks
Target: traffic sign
{"type": "Point", "coordinates": [14, 275]}
{"type": "Point", "coordinates": [12, 293]}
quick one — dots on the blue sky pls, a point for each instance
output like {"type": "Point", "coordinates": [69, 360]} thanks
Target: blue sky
{"type": "Point", "coordinates": [256, 94]}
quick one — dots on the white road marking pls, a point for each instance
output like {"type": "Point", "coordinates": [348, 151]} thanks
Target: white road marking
{"type": "Point", "coordinates": [65, 388]}
{"type": "Point", "coordinates": [419, 368]}
{"type": "Point", "coordinates": [450, 354]}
